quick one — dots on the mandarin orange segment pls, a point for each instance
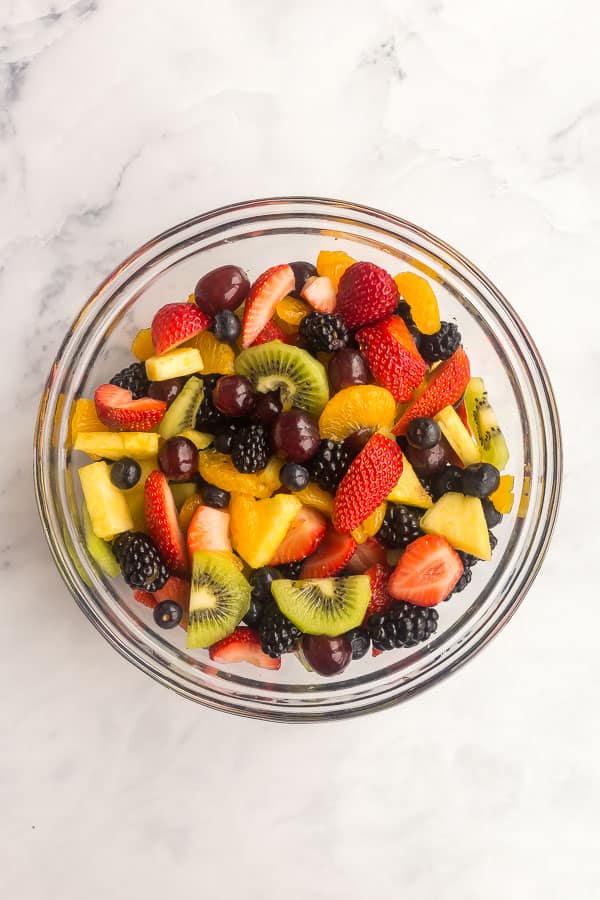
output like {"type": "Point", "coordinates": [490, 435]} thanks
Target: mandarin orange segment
{"type": "Point", "coordinates": [419, 295]}
{"type": "Point", "coordinates": [314, 496]}
{"type": "Point", "coordinates": [292, 310]}
{"type": "Point", "coordinates": [218, 469]}
{"type": "Point", "coordinates": [217, 357]}
{"type": "Point", "coordinates": [359, 406]}
{"type": "Point", "coordinates": [503, 497]}
{"type": "Point", "coordinates": [85, 418]}
{"type": "Point", "coordinates": [190, 505]}
{"type": "Point", "coordinates": [371, 525]}
{"type": "Point", "coordinates": [143, 346]}
{"type": "Point", "coordinates": [333, 264]}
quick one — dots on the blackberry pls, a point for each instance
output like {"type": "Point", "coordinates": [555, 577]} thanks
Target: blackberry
{"type": "Point", "coordinates": [440, 345]}
{"type": "Point", "coordinates": [329, 465]}
{"type": "Point", "coordinates": [224, 436]}
{"type": "Point", "coordinates": [323, 332]}
{"type": "Point", "coordinates": [208, 417]}
{"type": "Point", "coordinates": [277, 634]}
{"type": "Point", "coordinates": [403, 625]}
{"type": "Point", "coordinates": [140, 562]}
{"type": "Point", "coordinates": [250, 449]}
{"type": "Point", "coordinates": [468, 559]}
{"type": "Point", "coordinates": [462, 582]}
{"type": "Point", "coordinates": [133, 379]}
{"type": "Point", "coordinates": [400, 526]}
{"type": "Point", "coordinates": [290, 570]}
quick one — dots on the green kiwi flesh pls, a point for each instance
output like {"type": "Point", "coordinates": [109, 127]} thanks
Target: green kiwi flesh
{"type": "Point", "coordinates": [181, 414]}
{"type": "Point", "coordinates": [328, 606]}
{"type": "Point", "coordinates": [219, 598]}
{"type": "Point", "coordinates": [299, 377]}
{"type": "Point", "coordinates": [484, 424]}
{"type": "Point", "coordinates": [99, 549]}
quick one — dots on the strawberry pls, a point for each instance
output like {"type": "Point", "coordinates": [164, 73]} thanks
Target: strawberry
{"type": "Point", "coordinates": [303, 537]}
{"type": "Point", "coordinates": [243, 645]}
{"type": "Point", "coordinates": [271, 332]}
{"type": "Point", "coordinates": [177, 589]}
{"type": "Point", "coordinates": [392, 356]}
{"type": "Point", "coordinates": [320, 293]}
{"type": "Point", "coordinates": [163, 526]}
{"type": "Point", "coordinates": [366, 294]}
{"type": "Point", "coordinates": [445, 387]}
{"type": "Point", "coordinates": [266, 292]}
{"type": "Point", "coordinates": [208, 530]}
{"type": "Point", "coordinates": [366, 555]}
{"type": "Point", "coordinates": [380, 599]}
{"type": "Point", "coordinates": [330, 557]}
{"type": "Point", "coordinates": [368, 481]}
{"type": "Point", "coordinates": [116, 408]}
{"type": "Point", "coordinates": [427, 572]}
{"type": "Point", "coordinates": [176, 323]}
{"type": "Point", "coordinates": [461, 411]}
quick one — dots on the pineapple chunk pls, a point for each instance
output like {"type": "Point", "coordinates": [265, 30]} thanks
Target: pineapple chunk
{"type": "Point", "coordinates": [409, 489]}
{"type": "Point", "coordinates": [143, 347]}
{"type": "Point", "coordinates": [461, 520]}
{"type": "Point", "coordinates": [114, 445]}
{"type": "Point", "coordinates": [457, 436]}
{"type": "Point", "coordinates": [175, 364]}
{"type": "Point", "coordinates": [135, 495]}
{"type": "Point", "coordinates": [259, 526]}
{"type": "Point", "coordinates": [109, 513]}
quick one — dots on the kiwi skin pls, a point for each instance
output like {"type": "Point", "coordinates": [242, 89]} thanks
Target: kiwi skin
{"type": "Point", "coordinates": [329, 606]}
{"type": "Point", "coordinates": [181, 414]}
{"type": "Point", "coordinates": [299, 377]}
{"type": "Point", "coordinates": [219, 598]}
{"type": "Point", "coordinates": [484, 425]}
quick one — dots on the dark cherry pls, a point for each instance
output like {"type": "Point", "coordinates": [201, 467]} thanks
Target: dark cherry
{"type": "Point", "coordinates": [430, 461]}
{"type": "Point", "coordinates": [234, 395]}
{"type": "Point", "coordinates": [302, 272]}
{"type": "Point", "coordinates": [178, 459]}
{"type": "Point", "coordinates": [346, 368]}
{"type": "Point", "coordinates": [327, 655]}
{"type": "Point", "coordinates": [267, 408]}
{"type": "Point", "coordinates": [357, 441]}
{"type": "Point", "coordinates": [222, 288]}
{"type": "Point", "coordinates": [295, 434]}
{"type": "Point", "coordinates": [166, 390]}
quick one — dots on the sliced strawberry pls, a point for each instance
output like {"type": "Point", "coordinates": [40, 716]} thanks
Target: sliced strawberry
{"type": "Point", "coordinates": [445, 386]}
{"type": "Point", "coordinates": [320, 293]}
{"type": "Point", "coordinates": [427, 572]}
{"type": "Point", "coordinates": [176, 323]}
{"type": "Point", "coordinates": [177, 589]}
{"type": "Point", "coordinates": [271, 332]}
{"type": "Point", "coordinates": [375, 652]}
{"type": "Point", "coordinates": [303, 537]}
{"type": "Point", "coordinates": [392, 356]}
{"type": "Point", "coordinates": [371, 553]}
{"type": "Point", "coordinates": [117, 409]}
{"type": "Point", "coordinates": [330, 557]}
{"type": "Point", "coordinates": [380, 599]}
{"type": "Point", "coordinates": [208, 530]}
{"type": "Point", "coordinates": [266, 292]}
{"type": "Point", "coordinates": [243, 645]}
{"type": "Point", "coordinates": [461, 411]}
{"type": "Point", "coordinates": [163, 526]}
{"type": "Point", "coordinates": [370, 478]}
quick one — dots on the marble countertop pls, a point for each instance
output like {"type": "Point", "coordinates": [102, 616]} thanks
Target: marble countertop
{"type": "Point", "coordinates": [480, 122]}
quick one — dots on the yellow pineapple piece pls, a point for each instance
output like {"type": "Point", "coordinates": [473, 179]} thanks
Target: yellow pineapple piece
{"type": "Point", "coordinates": [457, 436]}
{"type": "Point", "coordinates": [143, 346]}
{"type": "Point", "coordinates": [503, 498]}
{"type": "Point", "coordinates": [114, 445]}
{"type": "Point", "coordinates": [409, 489]}
{"type": "Point", "coordinates": [134, 496]}
{"type": "Point", "coordinates": [106, 504]}
{"type": "Point", "coordinates": [85, 418]}
{"type": "Point", "coordinates": [313, 495]}
{"type": "Point", "coordinates": [371, 524]}
{"type": "Point", "coordinates": [360, 406]}
{"type": "Point", "coordinates": [333, 264]}
{"type": "Point", "coordinates": [259, 526]}
{"type": "Point", "coordinates": [217, 357]}
{"type": "Point", "coordinates": [174, 364]}
{"type": "Point", "coordinates": [461, 520]}
{"type": "Point", "coordinates": [218, 469]}
{"type": "Point", "coordinates": [419, 295]}
{"type": "Point", "coordinates": [292, 310]}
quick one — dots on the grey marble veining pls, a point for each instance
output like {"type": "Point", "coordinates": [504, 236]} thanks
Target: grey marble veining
{"type": "Point", "coordinates": [479, 122]}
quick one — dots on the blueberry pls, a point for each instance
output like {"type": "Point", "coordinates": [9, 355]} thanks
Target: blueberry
{"type": "Point", "coordinates": [492, 516]}
{"type": "Point", "coordinates": [294, 476]}
{"type": "Point", "coordinates": [167, 614]}
{"type": "Point", "coordinates": [255, 612]}
{"type": "Point", "coordinates": [423, 433]}
{"type": "Point", "coordinates": [480, 480]}
{"type": "Point", "coordinates": [223, 440]}
{"type": "Point", "coordinates": [226, 326]}
{"type": "Point", "coordinates": [260, 582]}
{"type": "Point", "coordinates": [360, 640]}
{"type": "Point", "coordinates": [449, 479]}
{"type": "Point", "coordinates": [125, 473]}
{"type": "Point", "coordinates": [214, 496]}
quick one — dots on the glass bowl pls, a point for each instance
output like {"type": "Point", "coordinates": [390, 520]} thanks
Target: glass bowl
{"type": "Point", "coordinates": [255, 235]}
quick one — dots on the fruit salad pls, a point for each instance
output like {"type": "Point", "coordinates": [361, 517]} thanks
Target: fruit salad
{"type": "Point", "coordinates": [301, 466]}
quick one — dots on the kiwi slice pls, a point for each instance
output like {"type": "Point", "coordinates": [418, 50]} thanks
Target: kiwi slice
{"type": "Point", "coordinates": [328, 606]}
{"type": "Point", "coordinates": [300, 379]}
{"type": "Point", "coordinates": [219, 598]}
{"type": "Point", "coordinates": [181, 414]}
{"type": "Point", "coordinates": [98, 549]}
{"type": "Point", "coordinates": [484, 424]}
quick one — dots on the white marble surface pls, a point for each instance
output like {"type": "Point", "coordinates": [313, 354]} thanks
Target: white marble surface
{"type": "Point", "coordinates": [479, 121]}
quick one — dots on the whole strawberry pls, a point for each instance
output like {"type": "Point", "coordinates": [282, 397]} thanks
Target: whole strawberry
{"type": "Point", "coordinates": [368, 481]}
{"type": "Point", "coordinates": [366, 294]}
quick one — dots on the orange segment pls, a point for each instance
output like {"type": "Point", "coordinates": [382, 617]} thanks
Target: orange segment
{"type": "Point", "coordinates": [143, 347]}
{"type": "Point", "coordinates": [85, 418]}
{"type": "Point", "coordinates": [217, 358]}
{"type": "Point", "coordinates": [503, 498]}
{"type": "Point", "coordinates": [218, 469]}
{"type": "Point", "coordinates": [333, 264]}
{"type": "Point", "coordinates": [419, 295]}
{"type": "Point", "coordinates": [291, 310]}
{"type": "Point", "coordinates": [313, 495]}
{"type": "Point", "coordinates": [190, 505]}
{"type": "Point", "coordinates": [371, 525]}
{"type": "Point", "coordinates": [360, 406]}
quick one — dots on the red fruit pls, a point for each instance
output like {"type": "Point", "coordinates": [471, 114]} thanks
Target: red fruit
{"type": "Point", "coordinates": [392, 356]}
{"type": "Point", "coordinates": [320, 293]}
{"type": "Point", "coordinates": [371, 553]}
{"type": "Point", "coordinates": [368, 481]}
{"type": "Point", "coordinates": [380, 599]}
{"type": "Point", "coordinates": [117, 409]}
{"type": "Point", "coordinates": [330, 557]}
{"type": "Point", "coordinates": [243, 645]}
{"type": "Point", "coordinates": [445, 388]}
{"type": "Point", "coordinates": [303, 537]}
{"type": "Point", "coordinates": [163, 526]}
{"type": "Point", "coordinates": [461, 411]}
{"type": "Point", "coordinates": [266, 292]}
{"type": "Point", "coordinates": [271, 332]}
{"type": "Point", "coordinates": [176, 323]}
{"type": "Point", "coordinates": [366, 294]}
{"type": "Point", "coordinates": [177, 589]}
{"type": "Point", "coordinates": [427, 572]}
{"type": "Point", "coordinates": [208, 530]}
